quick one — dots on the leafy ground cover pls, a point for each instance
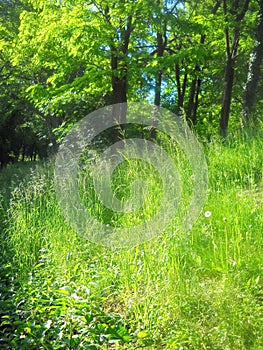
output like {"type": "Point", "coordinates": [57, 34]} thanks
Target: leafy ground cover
{"type": "Point", "coordinates": [200, 290]}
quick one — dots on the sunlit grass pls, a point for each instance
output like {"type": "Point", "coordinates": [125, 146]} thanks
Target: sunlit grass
{"type": "Point", "coordinates": [202, 289]}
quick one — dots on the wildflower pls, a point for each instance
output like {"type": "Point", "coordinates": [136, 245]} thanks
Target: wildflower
{"type": "Point", "coordinates": [208, 214]}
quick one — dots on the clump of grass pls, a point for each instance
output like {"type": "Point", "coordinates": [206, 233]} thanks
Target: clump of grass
{"type": "Point", "coordinates": [142, 189]}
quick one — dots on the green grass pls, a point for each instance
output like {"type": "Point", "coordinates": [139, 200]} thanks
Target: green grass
{"type": "Point", "coordinates": [201, 289]}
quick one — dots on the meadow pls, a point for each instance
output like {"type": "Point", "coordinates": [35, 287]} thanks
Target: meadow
{"type": "Point", "coordinates": [200, 289]}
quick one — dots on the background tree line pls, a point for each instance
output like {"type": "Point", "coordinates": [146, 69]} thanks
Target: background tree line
{"type": "Point", "coordinates": [60, 60]}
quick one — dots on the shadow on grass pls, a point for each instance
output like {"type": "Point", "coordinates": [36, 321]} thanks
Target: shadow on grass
{"type": "Point", "coordinates": [10, 317]}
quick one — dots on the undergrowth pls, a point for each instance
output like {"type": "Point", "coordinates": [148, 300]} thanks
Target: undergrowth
{"type": "Point", "coordinates": [197, 290]}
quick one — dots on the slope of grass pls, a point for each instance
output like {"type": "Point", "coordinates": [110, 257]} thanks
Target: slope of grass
{"type": "Point", "coordinates": [197, 290]}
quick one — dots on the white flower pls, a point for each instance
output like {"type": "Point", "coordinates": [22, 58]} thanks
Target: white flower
{"type": "Point", "coordinates": [208, 214]}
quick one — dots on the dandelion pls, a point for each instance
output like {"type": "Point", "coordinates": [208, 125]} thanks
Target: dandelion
{"type": "Point", "coordinates": [208, 214]}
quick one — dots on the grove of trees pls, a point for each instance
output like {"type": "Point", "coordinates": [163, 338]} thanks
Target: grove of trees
{"type": "Point", "coordinates": [61, 59]}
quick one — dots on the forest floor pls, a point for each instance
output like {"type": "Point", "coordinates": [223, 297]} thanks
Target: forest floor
{"type": "Point", "coordinates": [197, 290]}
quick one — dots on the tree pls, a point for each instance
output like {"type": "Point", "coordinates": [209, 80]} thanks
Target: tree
{"type": "Point", "coordinates": [234, 15]}
{"type": "Point", "coordinates": [254, 71]}
{"type": "Point", "coordinates": [60, 60]}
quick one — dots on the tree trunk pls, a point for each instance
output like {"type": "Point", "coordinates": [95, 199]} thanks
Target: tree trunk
{"type": "Point", "coordinates": [180, 88]}
{"type": "Point", "coordinates": [254, 72]}
{"type": "Point", "coordinates": [158, 85]}
{"type": "Point", "coordinates": [192, 105]}
{"type": "Point", "coordinates": [118, 98]}
{"type": "Point", "coordinates": [119, 79]}
{"type": "Point", "coordinates": [119, 90]}
{"type": "Point", "coordinates": [231, 52]}
{"type": "Point", "coordinates": [191, 113]}
{"type": "Point", "coordinates": [227, 95]}
{"type": "Point", "coordinates": [161, 44]}
{"type": "Point", "coordinates": [196, 101]}
{"type": "Point", "coordinates": [52, 122]}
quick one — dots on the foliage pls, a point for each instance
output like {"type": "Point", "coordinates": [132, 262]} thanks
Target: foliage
{"type": "Point", "coordinates": [202, 289]}
{"type": "Point", "coordinates": [61, 60]}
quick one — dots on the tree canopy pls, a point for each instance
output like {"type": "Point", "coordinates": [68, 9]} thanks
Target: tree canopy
{"type": "Point", "coordinates": [60, 60]}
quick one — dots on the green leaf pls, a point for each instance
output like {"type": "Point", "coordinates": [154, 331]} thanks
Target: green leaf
{"type": "Point", "coordinates": [142, 335]}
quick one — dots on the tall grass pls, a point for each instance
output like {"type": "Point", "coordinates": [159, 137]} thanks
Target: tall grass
{"type": "Point", "coordinates": [197, 290]}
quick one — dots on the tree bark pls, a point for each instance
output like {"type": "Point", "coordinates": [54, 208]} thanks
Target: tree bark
{"type": "Point", "coordinates": [161, 44]}
{"type": "Point", "coordinates": [254, 72]}
{"type": "Point", "coordinates": [192, 106]}
{"type": "Point", "coordinates": [231, 53]}
{"type": "Point", "coordinates": [191, 112]}
{"type": "Point", "coordinates": [119, 90]}
{"type": "Point", "coordinates": [180, 88]}
{"type": "Point", "coordinates": [196, 101]}
{"type": "Point", "coordinates": [227, 95]}
{"type": "Point", "coordinates": [119, 81]}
